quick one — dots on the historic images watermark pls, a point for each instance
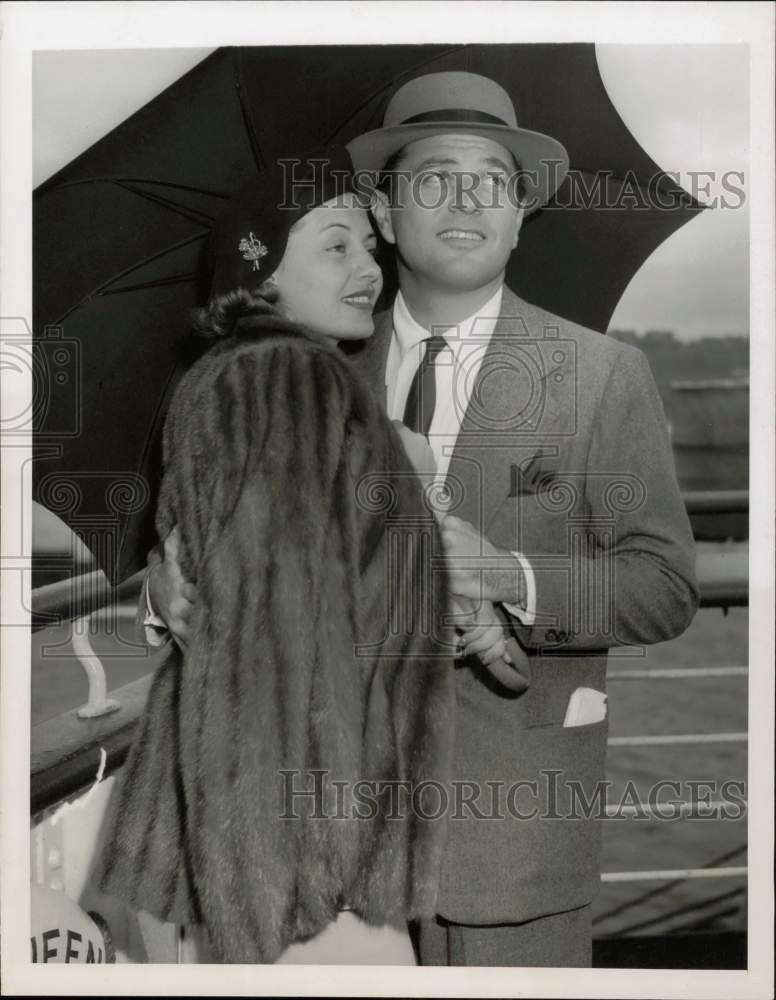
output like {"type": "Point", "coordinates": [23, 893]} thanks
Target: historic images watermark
{"type": "Point", "coordinates": [315, 794]}
{"type": "Point", "coordinates": [512, 186]}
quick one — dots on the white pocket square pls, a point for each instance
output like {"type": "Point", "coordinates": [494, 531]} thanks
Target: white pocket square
{"type": "Point", "coordinates": [586, 705]}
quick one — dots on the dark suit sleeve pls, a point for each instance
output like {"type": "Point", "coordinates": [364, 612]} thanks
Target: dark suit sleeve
{"type": "Point", "coordinates": [630, 577]}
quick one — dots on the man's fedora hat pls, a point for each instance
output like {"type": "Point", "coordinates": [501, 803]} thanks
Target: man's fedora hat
{"type": "Point", "coordinates": [463, 103]}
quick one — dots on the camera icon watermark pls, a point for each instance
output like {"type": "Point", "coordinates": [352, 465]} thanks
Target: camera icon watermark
{"type": "Point", "coordinates": [508, 380]}
{"type": "Point", "coordinates": [44, 373]}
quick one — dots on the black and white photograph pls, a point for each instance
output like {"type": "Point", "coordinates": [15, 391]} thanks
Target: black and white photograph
{"type": "Point", "coordinates": [387, 552]}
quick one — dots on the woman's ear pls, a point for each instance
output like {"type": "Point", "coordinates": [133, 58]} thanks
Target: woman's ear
{"type": "Point", "coordinates": [381, 212]}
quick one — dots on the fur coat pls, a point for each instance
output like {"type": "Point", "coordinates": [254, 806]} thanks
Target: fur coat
{"type": "Point", "coordinates": [295, 760]}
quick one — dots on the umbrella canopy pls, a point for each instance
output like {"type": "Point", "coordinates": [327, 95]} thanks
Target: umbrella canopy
{"type": "Point", "coordinates": [120, 235]}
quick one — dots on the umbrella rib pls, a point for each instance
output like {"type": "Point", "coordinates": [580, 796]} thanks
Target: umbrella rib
{"type": "Point", "coordinates": [187, 213]}
{"type": "Point", "coordinates": [100, 290]}
{"type": "Point", "coordinates": [144, 180]}
{"type": "Point", "coordinates": [245, 111]}
{"type": "Point", "coordinates": [175, 279]}
{"type": "Point", "coordinates": [151, 437]}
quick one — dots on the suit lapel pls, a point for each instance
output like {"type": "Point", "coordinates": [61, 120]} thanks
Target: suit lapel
{"type": "Point", "coordinates": [503, 390]}
{"type": "Point", "coordinates": [478, 470]}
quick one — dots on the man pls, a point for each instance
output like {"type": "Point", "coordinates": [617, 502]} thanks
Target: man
{"type": "Point", "coordinates": [564, 510]}
{"type": "Point", "coordinates": [551, 439]}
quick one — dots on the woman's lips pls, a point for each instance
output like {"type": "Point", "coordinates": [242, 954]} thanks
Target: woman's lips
{"type": "Point", "coordinates": [359, 300]}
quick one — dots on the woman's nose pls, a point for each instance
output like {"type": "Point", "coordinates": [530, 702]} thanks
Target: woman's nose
{"type": "Point", "coordinates": [368, 268]}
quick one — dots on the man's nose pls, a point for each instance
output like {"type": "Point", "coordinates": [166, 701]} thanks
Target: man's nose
{"type": "Point", "coordinates": [465, 201]}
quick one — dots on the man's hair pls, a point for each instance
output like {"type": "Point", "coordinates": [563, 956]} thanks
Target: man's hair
{"type": "Point", "coordinates": [393, 164]}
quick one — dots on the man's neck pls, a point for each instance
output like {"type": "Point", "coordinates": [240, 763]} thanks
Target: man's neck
{"type": "Point", "coordinates": [432, 307]}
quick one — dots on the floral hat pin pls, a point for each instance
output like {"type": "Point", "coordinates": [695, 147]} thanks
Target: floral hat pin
{"type": "Point", "coordinates": [253, 249]}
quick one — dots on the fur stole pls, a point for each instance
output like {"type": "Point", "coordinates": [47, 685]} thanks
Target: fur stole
{"type": "Point", "coordinates": [295, 760]}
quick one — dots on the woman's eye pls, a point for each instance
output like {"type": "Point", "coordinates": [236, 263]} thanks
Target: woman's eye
{"type": "Point", "coordinates": [338, 247]}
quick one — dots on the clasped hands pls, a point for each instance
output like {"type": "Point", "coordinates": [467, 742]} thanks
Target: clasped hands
{"type": "Point", "coordinates": [480, 576]}
{"type": "Point", "coordinates": [482, 632]}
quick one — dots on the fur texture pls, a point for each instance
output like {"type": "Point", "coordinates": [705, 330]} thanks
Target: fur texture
{"type": "Point", "coordinates": [308, 653]}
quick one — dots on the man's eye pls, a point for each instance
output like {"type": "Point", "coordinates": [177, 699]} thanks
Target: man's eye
{"type": "Point", "coordinates": [497, 180]}
{"type": "Point", "coordinates": [438, 176]}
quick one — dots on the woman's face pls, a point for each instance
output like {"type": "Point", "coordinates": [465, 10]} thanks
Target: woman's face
{"type": "Point", "coordinates": [328, 279]}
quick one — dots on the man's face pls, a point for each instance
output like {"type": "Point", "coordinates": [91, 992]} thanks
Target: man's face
{"type": "Point", "coordinates": [454, 220]}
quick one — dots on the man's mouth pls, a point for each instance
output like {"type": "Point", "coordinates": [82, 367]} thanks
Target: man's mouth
{"type": "Point", "coordinates": [468, 235]}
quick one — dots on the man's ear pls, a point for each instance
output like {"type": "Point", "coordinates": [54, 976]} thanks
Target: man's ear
{"type": "Point", "coordinates": [518, 224]}
{"type": "Point", "coordinates": [381, 212]}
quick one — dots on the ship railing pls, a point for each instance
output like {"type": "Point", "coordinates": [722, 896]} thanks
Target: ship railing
{"type": "Point", "coordinates": [73, 749]}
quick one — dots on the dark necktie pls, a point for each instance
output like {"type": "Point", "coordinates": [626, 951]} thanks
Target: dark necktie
{"type": "Point", "coordinates": [421, 399]}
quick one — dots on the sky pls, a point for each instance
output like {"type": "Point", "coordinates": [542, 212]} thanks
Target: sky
{"type": "Point", "coordinates": [688, 107]}
{"type": "Point", "coordinates": [686, 104]}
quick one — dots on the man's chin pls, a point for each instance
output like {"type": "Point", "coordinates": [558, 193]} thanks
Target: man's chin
{"type": "Point", "coordinates": [465, 274]}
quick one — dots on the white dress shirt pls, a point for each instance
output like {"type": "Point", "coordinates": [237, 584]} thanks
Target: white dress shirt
{"type": "Point", "coordinates": [455, 372]}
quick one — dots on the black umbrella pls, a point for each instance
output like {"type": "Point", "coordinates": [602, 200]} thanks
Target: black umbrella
{"type": "Point", "coordinates": [119, 237]}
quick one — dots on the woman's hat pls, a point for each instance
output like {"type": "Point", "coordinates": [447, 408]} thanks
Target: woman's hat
{"type": "Point", "coordinates": [250, 237]}
{"type": "Point", "coordinates": [463, 103]}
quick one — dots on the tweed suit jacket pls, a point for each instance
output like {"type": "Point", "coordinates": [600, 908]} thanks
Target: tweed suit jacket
{"type": "Point", "coordinates": [563, 455]}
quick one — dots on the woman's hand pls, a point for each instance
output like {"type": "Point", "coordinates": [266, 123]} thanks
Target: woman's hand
{"type": "Point", "coordinates": [483, 634]}
{"type": "Point", "coordinates": [170, 594]}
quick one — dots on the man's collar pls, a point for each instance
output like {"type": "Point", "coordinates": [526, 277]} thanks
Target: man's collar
{"type": "Point", "coordinates": [409, 333]}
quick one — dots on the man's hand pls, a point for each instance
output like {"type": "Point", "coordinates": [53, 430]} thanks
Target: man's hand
{"type": "Point", "coordinates": [171, 595]}
{"type": "Point", "coordinates": [477, 569]}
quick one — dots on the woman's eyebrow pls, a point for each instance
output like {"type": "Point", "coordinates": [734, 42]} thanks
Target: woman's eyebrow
{"type": "Point", "coordinates": [331, 225]}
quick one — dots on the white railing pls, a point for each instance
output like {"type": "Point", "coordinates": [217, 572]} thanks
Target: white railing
{"type": "Point", "coordinates": [685, 809]}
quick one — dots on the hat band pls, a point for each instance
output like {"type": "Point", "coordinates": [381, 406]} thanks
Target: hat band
{"type": "Point", "coordinates": [455, 115]}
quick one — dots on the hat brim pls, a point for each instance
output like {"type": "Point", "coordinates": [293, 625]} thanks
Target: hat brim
{"type": "Point", "coordinates": [543, 159]}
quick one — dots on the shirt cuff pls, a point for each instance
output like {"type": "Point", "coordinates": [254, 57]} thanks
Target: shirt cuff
{"type": "Point", "coordinates": [155, 627]}
{"type": "Point", "coordinates": [527, 614]}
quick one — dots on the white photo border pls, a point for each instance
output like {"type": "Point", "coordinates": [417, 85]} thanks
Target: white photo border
{"type": "Point", "coordinates": [35, 26]}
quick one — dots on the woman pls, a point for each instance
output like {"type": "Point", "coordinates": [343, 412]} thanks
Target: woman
{"type": "Point", "coordinates": [305, 657]}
